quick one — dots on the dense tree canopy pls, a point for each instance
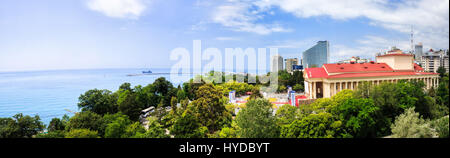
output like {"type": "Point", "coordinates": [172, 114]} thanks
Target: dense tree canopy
{"type": "Point", "coordinates": [86, 120]}
{"type": "Point", "coordinates": [321, 125]}
{"type": "Point", "coordinates": [287, 114]}
{"type": "Point", "coordinates": [256, 120]}
{"type": "Point", "coordinates": [188, 126]}
{"type": "Point", "coordinates": [370, 111]}
{"type": "Point", "coordinates": [128, 104]}
{"type": "Point", "coordinates": [20, 126]}
{"type": "Point", "coordinates": [81, 133]}
{"type": "Point", "coordinates": [209, 108]}
{"type": "Point", "coordinates": [411, 125]}
{"type": "Point", "coordinates": [98, 101]}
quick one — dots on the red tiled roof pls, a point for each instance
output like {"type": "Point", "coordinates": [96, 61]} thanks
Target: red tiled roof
{"type": "Point", "coordinates": [417, 67]}
{"type": "Point", "coordinates": [395, 54]}
{"type": "Point", "coordinates": [318, 72]}
{"type": "Point", "coordinates": [357, 67]}
{"type": "Point", "coordinates": [321, 73]}
{"type": "Point", "coordinates": [374, 74]}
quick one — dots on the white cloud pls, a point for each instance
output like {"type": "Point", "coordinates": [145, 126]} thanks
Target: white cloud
{"type": "Point", "coordinates": [295, 44]}
{"type": "Point", "coordinates": [227, 39]}
{"type": "Point", "coordinates": [239, 16]}
{"type": "Point", "coordinates": [126, 9]}
{"type": "Point", "coordinates": [430, 18]}
{"type": "Point", "coordinates": [367, 47]}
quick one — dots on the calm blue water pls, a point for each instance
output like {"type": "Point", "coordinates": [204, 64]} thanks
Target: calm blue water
{"type": "Point", "coordinates": [49, 93]}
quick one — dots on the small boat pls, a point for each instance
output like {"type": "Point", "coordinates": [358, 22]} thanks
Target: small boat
{"type": "Point", "coordinates": [147, 72]}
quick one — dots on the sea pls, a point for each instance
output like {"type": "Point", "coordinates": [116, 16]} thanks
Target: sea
{"type": "Point", "coordinates": [55, 93]}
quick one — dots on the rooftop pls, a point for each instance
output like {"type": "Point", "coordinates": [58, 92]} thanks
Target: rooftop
{"type": "Point", "coordinates": [357, 67]}
{"type": "Point", "coordinates": [361, 70]}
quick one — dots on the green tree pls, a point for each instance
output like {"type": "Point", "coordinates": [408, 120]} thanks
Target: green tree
{"type": "Point", "coordinates": [321, 125]}
{"type": "Point", "coordinates": [256, 120]}
{"type": "Point", "coordinates": [146, 96]}
{"type": "Point", "coordinates": [442, 126]}
{"type": "Point", "coordinates": [441, 70]}
{"type": "Point", "coordinates": [20, 126]}
{"type": "Point", "coordinates": [98, 101]}
{"type": "Point", "coordinates": [8, 128]}
{"type": "Point", "coordinates": [128, 105]}
{"type": "Point", "coordinates": [53, 134]}
{"type": "Point", "coordinates": [188, 126]}
{"type": "Point", "coordinates": [86, 120]}
{"type": "Point", "coordinates": [281, 88]}
{"type": "Point", "coordinates": [209, 108]}
{"type": "Point", "coordinates": [286, 114]}
{"type": "Point", "coordinates": [155, 130]}
{"type": "Point", "coordinates": [359, 117]}
{"type": "Point", "coordinates": [81, 133]}
{"type": "Point", "coordinates": [297, 77]}
{"type": "Point", "coordinates": [191, 88]}
{"type": "Point", "coordinates": [226, 132]}
{"type": "Point", "coordinates": [133, 129]}
{"type": "Point", "coordinates": [298, 87]}
{"type": "Point", "coordinates": [29, 126]}
{"type": "Point", "coordinates": [442, 93]}
{"type": "Point", "coordinates": [256, 93]}
{"type": "Point", "coordinates": [411, 125]}
{"type": "Point", "coordinates": [117, 128]}
{"type": "Point", "coordinates": [56, 124]}
{"type": "Point", "coordinates": [125, 86]}
{"type": "Point", "coordinates": [181, 95]}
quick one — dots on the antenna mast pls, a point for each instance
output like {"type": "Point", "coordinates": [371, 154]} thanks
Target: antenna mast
{"type": "Point", "coordinates": [412, 40]}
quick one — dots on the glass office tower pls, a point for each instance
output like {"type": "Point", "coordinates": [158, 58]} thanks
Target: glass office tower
{"type": "Point", "coordinates": [317, 55]}
{"type": "Point", "coordinates": [418, 50]}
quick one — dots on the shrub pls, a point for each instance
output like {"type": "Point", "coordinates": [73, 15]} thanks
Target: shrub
{"type": "Point", "coordinates": [411, 125]}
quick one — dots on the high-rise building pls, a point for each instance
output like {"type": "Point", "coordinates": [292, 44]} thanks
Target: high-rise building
{"type": "Point", "coordinates": [418, 50]}
{"type": "Point", "coordinates": [317, 55]}
{"type": "Point", "coordinates": [276, 63]}
{"type": "Point", "coordinates": [289, 63]}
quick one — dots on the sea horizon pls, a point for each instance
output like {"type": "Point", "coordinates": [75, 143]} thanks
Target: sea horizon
{"type": "Point", "coordinates": [53, 93]}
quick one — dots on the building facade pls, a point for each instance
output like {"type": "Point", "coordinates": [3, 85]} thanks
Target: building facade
{"type": "Point", "coordinates": [328, 80]}
{"type": "Point", "coordinates": [289, 64]}
{"type": "Point", "coordinates": [444, 62]}
{"type": "Point", "coordinates": [418, 52]}
{"type": "Point", "coordinates": [432, 60]}
{"type": "Point", "coordinates": [317, 55]}
{"type": "Point", "coordinates": [276, 63]}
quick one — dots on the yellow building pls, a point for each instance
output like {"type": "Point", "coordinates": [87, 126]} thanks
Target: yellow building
{"type": "Point", "coordinates": [330, 79]}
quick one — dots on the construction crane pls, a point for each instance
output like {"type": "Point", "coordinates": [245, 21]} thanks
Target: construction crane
{"type": "Point", "coordinates": [70, 111]}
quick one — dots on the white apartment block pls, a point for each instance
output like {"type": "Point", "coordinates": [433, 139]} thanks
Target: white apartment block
{"type": "Point", "coordinates": [432, 60]}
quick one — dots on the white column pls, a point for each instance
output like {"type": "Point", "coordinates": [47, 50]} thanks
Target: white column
{"type": "Point", "coordinates": [334, 88]}
{"type": "Point", "coordinates": [314, 90]}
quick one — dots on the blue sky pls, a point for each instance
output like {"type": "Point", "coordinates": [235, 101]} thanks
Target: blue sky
{"type": "Point", "coordinates": [82, 34]}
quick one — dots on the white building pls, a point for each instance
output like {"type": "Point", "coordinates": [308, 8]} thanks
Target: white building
{"type": "Point", "coordinates": [432, 60]}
